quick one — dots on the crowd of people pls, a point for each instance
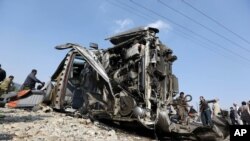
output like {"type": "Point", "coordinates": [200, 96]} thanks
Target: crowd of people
{"type": "Point", "coordinates": [6, 83]}
{"type": "Point", "coordinates": [185, 112]}
{"type": "Point", "coordinates": [240, 115]}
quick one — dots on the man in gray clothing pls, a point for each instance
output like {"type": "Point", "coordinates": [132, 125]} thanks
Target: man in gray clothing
{"type": "Point", "coordinates": [244, 113]}
{"type": "Point", "coordinates": [31, 80]}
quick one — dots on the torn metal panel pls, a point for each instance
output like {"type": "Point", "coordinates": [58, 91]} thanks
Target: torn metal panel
{"type": "Point", "coordinates": [126, 35]}
{"type": "Point", "coordinates": [89, 58]}
{"type": "Point", "coordinates": [25, 98]}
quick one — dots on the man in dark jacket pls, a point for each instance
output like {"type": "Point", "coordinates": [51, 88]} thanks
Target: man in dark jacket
{"type": "Point", "coordinates": [2, 74]}
{"type": "Point", "coordinates": [205, 112]}
{"type": "Point", "coordinates": [31, 80]}
{"type": "Point", "coordinates": [232, 116]}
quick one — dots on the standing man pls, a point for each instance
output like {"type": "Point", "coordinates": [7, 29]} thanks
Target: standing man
{"type": "Point", "coordinates": [6, 85]}
{"type": "Point", "coordinates": [248, 104]}
{"type": "Point", "coordinates": [205, 112]}
{"type": "Point", "coordinates": [232, 116]}
{"type": "Point", "coordinates": [237, 116]}
{"type": "Point", "coordinates": [182, 107]}
{"type": "Point", "coordinates": [244, 113]}
{"type": "Point", "coordinates": [2, 74]}
{"type": "Point", "coordinates": [31, 80]}
{"type": "Point", "coordinates": [216, 108]}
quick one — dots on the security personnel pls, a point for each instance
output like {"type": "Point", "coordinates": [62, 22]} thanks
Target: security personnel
{"type": "Point", "coordinates": [6, 84]}
{"type": "Point", "coordinates": [182, 107]}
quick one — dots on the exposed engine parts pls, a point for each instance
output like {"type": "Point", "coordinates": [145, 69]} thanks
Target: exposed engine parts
{"type": "Point", "coordinates": [131, 81]}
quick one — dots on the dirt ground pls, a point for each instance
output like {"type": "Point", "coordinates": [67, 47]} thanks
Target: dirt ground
{"type": "Point", "coordinates": [47, 125]}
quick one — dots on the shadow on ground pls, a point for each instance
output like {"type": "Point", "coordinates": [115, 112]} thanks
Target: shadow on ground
{"type": "Point", "coordinates": [4, 136]}
{"type": "Point", "coordinates": [28, 118]}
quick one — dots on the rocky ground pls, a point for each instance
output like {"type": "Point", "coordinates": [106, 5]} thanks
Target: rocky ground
{"type": "Point", "coordinates": [47, 125]}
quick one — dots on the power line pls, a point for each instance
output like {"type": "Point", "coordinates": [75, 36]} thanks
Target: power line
{"type": "Point", "coordinates": [204, 45]}
{"type": "Point", "coordinates": [196, 34]}
{"type": "Point", "coordinates": [127, 9]}
{"type": "Point", "coordinates": [142, 15]}
{"type": "Point", "coordinates": [202, 25]}
{"type": "Point", "coordinates": [215, 21]}
{"type": "Point", "coordinates": [125, 4]}
{"type": "Point", "coordinates": [181, 32]}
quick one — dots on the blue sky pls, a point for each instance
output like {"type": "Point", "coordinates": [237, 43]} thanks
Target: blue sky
{"type": "Point", "coordinates": [209, 64]}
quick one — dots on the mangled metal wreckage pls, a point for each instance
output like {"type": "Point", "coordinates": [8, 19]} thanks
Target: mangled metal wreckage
{"type": "Point", "coordinates": [131, 81]}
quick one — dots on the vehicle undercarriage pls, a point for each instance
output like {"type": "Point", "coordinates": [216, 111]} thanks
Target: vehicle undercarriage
{"type": "Point", "coordinates": [129, 82]}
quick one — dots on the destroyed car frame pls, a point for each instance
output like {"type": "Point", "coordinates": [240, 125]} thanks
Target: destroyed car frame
{"type": "Point", "coordinates": [131, 81]}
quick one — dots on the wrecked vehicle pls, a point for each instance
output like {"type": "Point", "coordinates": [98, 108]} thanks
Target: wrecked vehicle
{"type": "Point", "coordinates": [131, 81]}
